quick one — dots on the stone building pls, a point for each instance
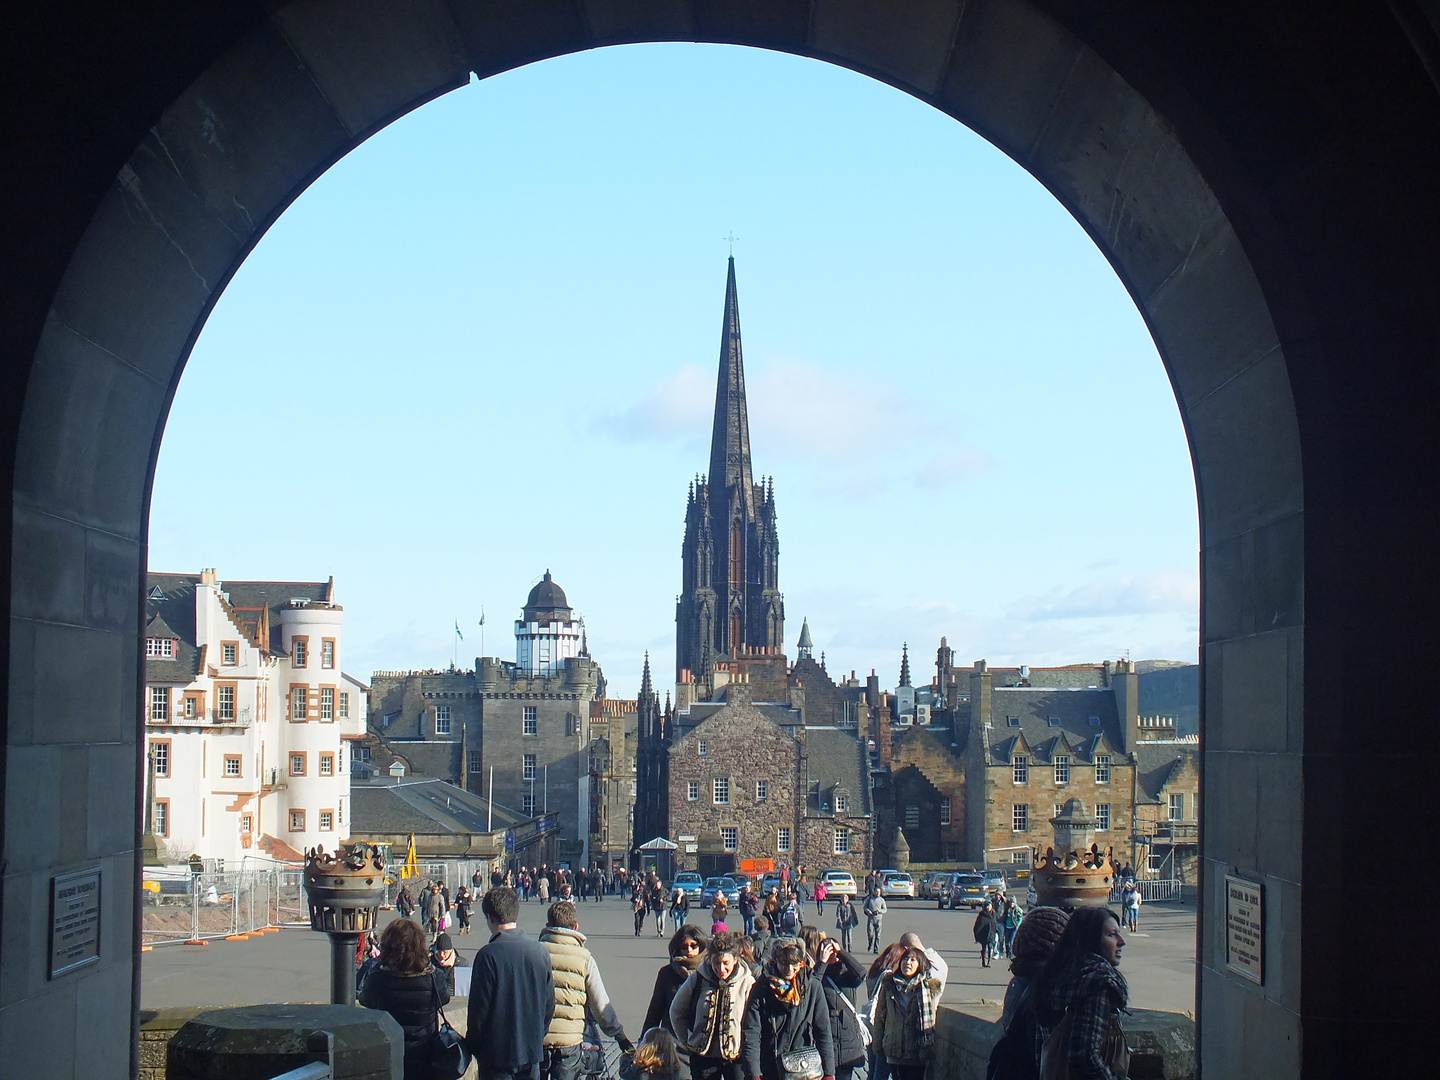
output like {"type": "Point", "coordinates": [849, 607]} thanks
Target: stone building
{"type": "Point", "coordinates": [515, 732]}
{"type": "Point", "coordinates": [730, 599]}
{"type": "Point", "coordinates": [1167, 801]}
{"type": "Point", "coordinates": [248, 717]}
{"type": "Point", "coordinates": [614, 726]}
{"type": "Point", "coordinates": [752, 780]}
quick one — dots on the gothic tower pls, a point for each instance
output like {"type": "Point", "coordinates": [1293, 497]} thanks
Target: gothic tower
{"type": "Point", "coordinates": [730, 598]}
{"type": "Point", "coordinates": [652, 764]}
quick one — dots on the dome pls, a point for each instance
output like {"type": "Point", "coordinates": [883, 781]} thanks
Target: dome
{"type": "Point", "coordinates": [546, 596]}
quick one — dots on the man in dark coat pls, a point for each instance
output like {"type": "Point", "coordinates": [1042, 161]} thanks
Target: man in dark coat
{"type": "Point", "coordinates": [985, 928]}
{"type": "Point", "coordinates": [512, 995]}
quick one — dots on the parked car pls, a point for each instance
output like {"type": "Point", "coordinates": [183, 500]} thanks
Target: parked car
{"type": "Point", "coordinates": [897, 885]}
{"type": "Point", "coordinates": [932, 884]}
{"type": "Point", "coordinates": [725, 885]}
{"type": "Point", "coordinates": [995, 881]}
{"type": "Point", "coordinates": [963, 891]}
{"type": "Point", "coordinates": [691, 882]}
{"type": "Point", "coordinates": [839, 882]}
{"type": "Point", "coordinates": [740, 878]}
{"type": "Point", "coordinates": [768, 882]}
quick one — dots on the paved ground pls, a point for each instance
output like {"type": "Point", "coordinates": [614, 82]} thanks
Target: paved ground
{"type": "Point", "coordinates": [293, 965]}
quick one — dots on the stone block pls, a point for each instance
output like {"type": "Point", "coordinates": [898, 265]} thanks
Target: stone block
{"type": "Point", "coordinates": [1281, 813]}
{"type": "Point", "coordinates": [1008, 66]}
{"type": "Point", "coordinates": [503, 34]}
{"type": "Point", "coordinates": [49, 565]}
{"type": "Point", "coordinates": [1254, 693]}
{"type": "Point", "coordinates": [20, 696]}
{"type": "Point", "coordinates": [1231, 809]}
{"type": "Point", "coordinates": [1246, 446]}
{"type": "Point", "coordinates": [374, 62]}
{"type": "Point", "coordinates": [90, 691]}
{"type": "Point", "coordinates": [40, 1038]}
{"type": "Point", "coordinates": [773, 24]}
{"type": "Point", "coordinates": [905, 42]}
{"type": "Point", "coordinates": [18, 933]}
{"type": "Point", "coordinates": [157, 1027]}
{"type": "Point", "coordinates": [258, 1042]}
{"type": "Point", "coordinates": [112, 568]}
{"type": "Point", "coordinates": [33, 790]}
{"type": "Point", "coordinates": [89, 424]}
{"type": "Point", "coordinates": [640, 20]}
{"type": "Point", "coordinates": [1162, 1045]}
{"type": "Point", "coordinates": [103, 1005]}
{"type": "Point", "coordinates": [265, 130]}
{"type": "Point", "coordinates": [1255, 582]}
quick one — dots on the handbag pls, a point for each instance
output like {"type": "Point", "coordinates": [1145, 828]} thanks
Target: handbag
{"type": "Point", "coordinates": [447, 1057]}
{"type": "Point", "coordinates": [1055, 1054]}
{"type": "Point", "coordinates": [865, 1036]}
{"type": "Point", "coordinates": [802, 1064]}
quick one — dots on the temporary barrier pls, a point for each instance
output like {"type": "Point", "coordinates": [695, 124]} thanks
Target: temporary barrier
{"type": "Point", "coordinates": [180, 907]}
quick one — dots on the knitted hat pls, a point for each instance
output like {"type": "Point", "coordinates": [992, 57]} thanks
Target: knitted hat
{"type": "Point", "coordinates": [443, 942]}
{"type": "Point", "coordinates": [1039, 933]}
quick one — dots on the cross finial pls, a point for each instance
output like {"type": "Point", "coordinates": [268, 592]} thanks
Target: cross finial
{"type": "Point", "coordinates": [731, 238]}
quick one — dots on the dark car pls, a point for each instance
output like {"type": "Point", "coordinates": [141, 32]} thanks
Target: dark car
{"type": "Point", "coordinates": [964, 891]}
{"type": "Point", "coordinates": [725, 885]}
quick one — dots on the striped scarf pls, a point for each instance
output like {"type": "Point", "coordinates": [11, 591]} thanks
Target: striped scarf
{"type": "Point", "coordinates": [923, 986]}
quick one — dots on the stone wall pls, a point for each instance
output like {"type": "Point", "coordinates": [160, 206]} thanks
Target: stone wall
{"type": "Point", "coordinates": [923, 771]}
{"type": "Point", "coordinates": [1042, 795]}
{"type": "Point", "coordinates": [156, 1028]}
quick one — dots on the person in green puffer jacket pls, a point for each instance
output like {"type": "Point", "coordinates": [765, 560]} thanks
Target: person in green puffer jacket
{"type": "Point", "coordinates": [579, 994]}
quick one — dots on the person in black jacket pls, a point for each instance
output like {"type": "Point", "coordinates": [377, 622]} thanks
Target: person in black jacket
{"type": "Point", "coordinates": [838, 973]}
{"type": "Point", "coordinates": [787, 1014]}
{"type": "Point", "coordinates": [687, 950]}
{"type": "Point", "coordinates": [512, 995]}
{"type": "Point", "coordinates": [984, 931]}
{"type": "Point", "coordinates": [407, 987]}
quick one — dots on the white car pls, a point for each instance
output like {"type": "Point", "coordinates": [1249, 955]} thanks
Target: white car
{"type": "Point", "coordinates": [839, 883]}
{"type": "Point", "coordinates": [896, 884]}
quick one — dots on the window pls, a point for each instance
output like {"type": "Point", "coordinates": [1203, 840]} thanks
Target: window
{"type": "Point", "coordinates": [1102, 768]}
{"type": "Point", "coordinates": [1059, 809]}
{"type": "Point", "coordinates": [1102, 816]}
{"type": "Point", "coordinates": [232, 764]}
{"type": "Point", "coordinates": [299, 651]}
{"type": "Point", "coordinates": [762, 790]}
{"type": "Point", "coordinates": [229, 653]}
{"type": "Point", "coordinates": [327, 653]}
{"type": "Point", "coordinates": [160, 754]}
{"type": "Point", "coordinates": [297, 820]}
{"type": "Point", "coordinates": [912, 816]}
{"type": "Point", "coordinates": [1155, 862]}
{"type": "Point", "coordinates": [704, 747]}
{"type": "Point", "coordinates": [527, 767]}
{"type": "Point", "coordinates": [1020, 767]}
{"type": "Point", "coordinates": [1053, 721]}
{"type": "Point", "coordinates": [327, 703]}
{"type": "Point", "coordinates": [297, 764]}
{"type": "Point", "coordinates": [190, 707]}
{"type": "Point", "coordinates": [160, 646]}
{"type": "Point", "coordinates": [344, 706]}
{"type": "Point", "coordinates": [842, 841]}
{"type": "Point", "coordinates": [1012, 721]}
{"type": "Point", "coordinates": [529, 721]}
{"type": "Point", "coordinates": [633, 786]}
{"type": "Point", "coordinates": [359, 753]}
{"type": "Point", "coordinates": [159, 703]}
{"type": "Point", "coordinates": [299, 703]}
{"type": "Point", "coordinates": [730, 838]}
{"type": "Point", "coordinates": [442, 719]}
{"type": "Point", "coordinates": [1020, 819]}
{"type": "Point", "coordinates": [782, 840]}
{"type": "Point", "coordinates": [1062, 768]}
{"type": "Point", "coordinates": [340, 811]}
{"type": "Point", "coordinates": [721, 791]}
{"type": "Point", "coordinates": [1177, 806]}
{"type": "Point", "coordinates": [477, 763]}
{"type": "Point", "coordinates": [692, 790]}
{"type": "Point", "coordinates": [247, 824]}
{"type": "Point", "coordinates": [327, 820]}
{"type": "Point", "coordinates": [1020, 858]}
{"type": "Point", "coordinates": [327, 765]}
{"type": "Point", "coordinates": [527, 804]}
{"type": "Point", "coordinates": [161, 817]}
{"type": "Point", "coordinates": [945, 810]}
{"type": "Point", "coordinates": [842, 804]}
{"type": "Point", "coordinates": [224, 702]}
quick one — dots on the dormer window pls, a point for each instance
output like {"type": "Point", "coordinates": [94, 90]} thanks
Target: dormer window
{"type": "Point", "coordinates": [1054, 721]}
{"type": "Point", "coordinates": [162, 647]}
{"type": "Point", "coordinates": [1094, 721]}
{"type": "Point", "coordinates": [842, 804]}
{"type": "Point", "coordinates": [1012, 721]}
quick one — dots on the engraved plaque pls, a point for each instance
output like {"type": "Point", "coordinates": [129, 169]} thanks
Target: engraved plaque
{"type": "Point", "coordinates": [74, 921]}
{"type": "Point", "coordinates": [1245, 928]}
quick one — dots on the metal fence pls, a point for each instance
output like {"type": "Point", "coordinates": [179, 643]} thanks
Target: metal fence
{"type": "Point", "coordinates": [1165, 889]}
{"type": "Point", "coordinates": [197, 907]}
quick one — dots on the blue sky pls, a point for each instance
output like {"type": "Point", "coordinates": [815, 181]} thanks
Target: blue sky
{"type": "Point", "coordinates": [484, 344]}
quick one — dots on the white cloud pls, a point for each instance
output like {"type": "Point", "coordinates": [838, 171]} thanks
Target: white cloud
{"type": "Point", "coordinates": [678, 408]}
{"type": "Point", "coordinates": [952, 467]}
{"type": "Point", "coordinates": [1140, 594]}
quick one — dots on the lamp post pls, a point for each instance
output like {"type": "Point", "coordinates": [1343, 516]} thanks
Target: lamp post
{"type": "Point", "coordinates": [344, 891]}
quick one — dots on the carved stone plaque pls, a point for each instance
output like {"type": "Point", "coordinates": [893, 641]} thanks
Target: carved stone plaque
{"type": "Point", "coordinates": [1245, 928]}
{"type": "Point", "coordinates": [74, 921]}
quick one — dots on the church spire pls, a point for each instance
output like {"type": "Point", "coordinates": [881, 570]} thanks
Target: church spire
{"type": "Point", "coordinates": [647, 689]}
{"type": "Point", "coordinates": [905, 664]}
{"type": "Point", "coordinates": [730, 440]}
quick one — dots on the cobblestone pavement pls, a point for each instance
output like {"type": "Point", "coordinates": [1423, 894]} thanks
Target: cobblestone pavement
{"type": "Point", "coordinates": [293, 965]}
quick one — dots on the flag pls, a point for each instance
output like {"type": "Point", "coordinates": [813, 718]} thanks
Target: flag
{"type": "Point", "coordinates": [482, 616]}
{"type": "Point", "coordinates": [457, 630]}
{"type": "Point", "coordinates": [411, 867]}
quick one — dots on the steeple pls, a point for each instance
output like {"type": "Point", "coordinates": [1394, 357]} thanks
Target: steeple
{"type": "Point", "coordinates": [905, 664]}
{"type": "Point", "coordinates": [730, 439]}
{"type": "Point", "coordinates": [805, 647]}
{"type": "Point", "coordinates": [647, 689]}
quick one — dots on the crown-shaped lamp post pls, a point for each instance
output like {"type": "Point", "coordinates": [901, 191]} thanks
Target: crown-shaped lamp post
{"type": "Point", "coordinates": [345, 891]}
{"type": "Point", "coordinates": [1075, 872]}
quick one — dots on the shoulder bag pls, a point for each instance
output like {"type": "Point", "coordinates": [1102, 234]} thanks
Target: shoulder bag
{"type": "Point", "coordinates": [802, 1064]}
{"type": "Point", "coordinates": [447, 1057]}
{"type": "Point", "coordinates": [1055, 1055]}
{"type": "Point", "coordinates": [849, 1006]}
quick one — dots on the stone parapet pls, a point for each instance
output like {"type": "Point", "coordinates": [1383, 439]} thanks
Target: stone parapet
{"type": "Point", "coordinates": [258, 1042]}
{"type": "Point", "coordinates": [157, 1026]}
{"type": "Point", "coordinates": [1162, 1045]}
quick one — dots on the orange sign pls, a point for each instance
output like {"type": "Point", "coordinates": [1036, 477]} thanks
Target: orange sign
{"type": "Point", "coordinates": [756, 866]}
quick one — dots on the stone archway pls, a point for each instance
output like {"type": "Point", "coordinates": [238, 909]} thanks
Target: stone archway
{"type": "Point", "coordinates": [276, 99]}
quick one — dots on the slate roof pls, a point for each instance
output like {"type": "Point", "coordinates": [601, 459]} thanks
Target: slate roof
{"type": "Point", "coordinates": [1052, 722]}
{"type": "Point", "coordinates": [836, 759]}
{"type": "Point", "coordinates": [172, 617]}
{"type": "Point", "coordinates": [248, 597]}
{"type": "Point", "coordinates": [423, 805]}
{"type": "Point", "coordinates": [701, 711]}
{"type": "Point", "coordinates": [1156, 763]}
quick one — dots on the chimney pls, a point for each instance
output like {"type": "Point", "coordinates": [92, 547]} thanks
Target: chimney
{"type": "Point", "coordinates": [1126, 685]}
{"type": "Point", "coordinates": [208, 576]}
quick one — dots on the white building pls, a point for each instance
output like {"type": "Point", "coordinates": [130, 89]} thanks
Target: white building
{"type": "Point", "coordinates": [249, 714]}
{"type": "Point", "coordinates": [547, 632]}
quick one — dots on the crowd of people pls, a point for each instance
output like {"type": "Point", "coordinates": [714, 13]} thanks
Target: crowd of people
{"type": "Point", "coordinates": [761, 995]}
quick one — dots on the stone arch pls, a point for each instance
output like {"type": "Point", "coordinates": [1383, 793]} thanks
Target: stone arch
{"type": "Point", "coordinates": [302, 86]}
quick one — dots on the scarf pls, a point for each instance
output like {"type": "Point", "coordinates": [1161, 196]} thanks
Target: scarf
{"type": "Point", "coordinates": [923, 988]}
{"type": "Point", "coordinates": [787, 991]}
{"type": "Point", "coordinates": [724, 1013]}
